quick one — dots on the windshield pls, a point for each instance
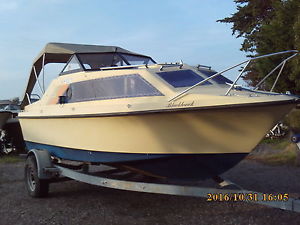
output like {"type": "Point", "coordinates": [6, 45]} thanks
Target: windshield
{"type": "Point", "coordinates": [94, 61]}
{"type": "Point", "coordinates": [137, 60]}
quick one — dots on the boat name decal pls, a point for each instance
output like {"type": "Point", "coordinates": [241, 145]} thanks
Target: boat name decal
{"type": "Point", "coordinates": [180, 104]}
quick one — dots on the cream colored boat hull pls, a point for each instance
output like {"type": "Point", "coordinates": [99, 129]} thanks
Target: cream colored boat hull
{"type": "Point", "coordinates": [201, 131]}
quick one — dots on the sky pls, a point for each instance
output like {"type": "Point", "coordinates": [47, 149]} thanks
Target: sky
{"type": "Point", "coordinates": [168, 31]}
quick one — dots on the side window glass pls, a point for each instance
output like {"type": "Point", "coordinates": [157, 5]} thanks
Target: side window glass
{"type": "Point", "coordinates": [125, 86]}
{"type": "Point", "coordinates": [73, 65]}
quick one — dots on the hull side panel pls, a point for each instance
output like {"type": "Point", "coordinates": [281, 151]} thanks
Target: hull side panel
{"type": "Point", "coordinates": [215, 131]}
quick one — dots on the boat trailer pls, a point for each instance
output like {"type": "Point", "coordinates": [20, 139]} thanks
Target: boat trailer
{"type": "Point", "coordinates": [41, 170]}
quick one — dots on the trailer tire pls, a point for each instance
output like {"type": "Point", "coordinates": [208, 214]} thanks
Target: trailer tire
{"type": "Point", "coordinates": [35, 186]}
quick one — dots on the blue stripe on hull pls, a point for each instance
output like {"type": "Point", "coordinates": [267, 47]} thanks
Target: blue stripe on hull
{"type": "Point", "coordinates": [176, 166]}
{"type": "Point", "coordinates": [92, 156]}
{"type": "Point", "coordinates": [189, 167]}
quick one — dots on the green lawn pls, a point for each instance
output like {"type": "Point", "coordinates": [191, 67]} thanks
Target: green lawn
{"type": "Point", "coordinates": [284, 152]}
{"type": "Point", "coordinates": [10, 159]}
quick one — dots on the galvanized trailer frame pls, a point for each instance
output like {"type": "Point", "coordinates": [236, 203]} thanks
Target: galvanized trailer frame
{"type": "Point", "coordinates": [46, 171]}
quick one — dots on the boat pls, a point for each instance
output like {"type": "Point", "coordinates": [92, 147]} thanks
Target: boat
{"type": "Point", "coordinates": [10, 136]}
{"type": "Point", "coordinates": [115, 107]}
{"type": "Point", "coordinates": [4, 116]}
{"type": "Point", "coordinates": [7, 110]}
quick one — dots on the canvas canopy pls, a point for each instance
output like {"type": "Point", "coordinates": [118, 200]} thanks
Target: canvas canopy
{"type": "Point", "coordinates": [61, 53]}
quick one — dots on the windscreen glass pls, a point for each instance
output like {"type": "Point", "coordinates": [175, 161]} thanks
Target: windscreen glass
{"type": "Point", "coordinates": [137, 60]}
{"type": "Point", "coordinates": [72, 66]}
{"type": "Point", "coordinates": [94, 61]}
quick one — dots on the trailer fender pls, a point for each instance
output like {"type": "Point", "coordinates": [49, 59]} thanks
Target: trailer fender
{"type": "Point", "coordinates": [44, 163]}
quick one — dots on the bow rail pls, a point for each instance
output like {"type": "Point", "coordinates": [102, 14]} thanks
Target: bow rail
{"type": "Point", "coordinates": [247, 62]}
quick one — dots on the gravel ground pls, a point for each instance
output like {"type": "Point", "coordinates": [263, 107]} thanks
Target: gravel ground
{"type": "Point", "coordinates": [78, 203]}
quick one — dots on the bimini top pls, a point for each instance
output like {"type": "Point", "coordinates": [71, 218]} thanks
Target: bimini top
{"type": "Point", "coordinates": [61, 53]}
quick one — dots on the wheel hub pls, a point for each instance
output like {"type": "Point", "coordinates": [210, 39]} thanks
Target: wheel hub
{"type": "Point", "coordinates": [31, 179]}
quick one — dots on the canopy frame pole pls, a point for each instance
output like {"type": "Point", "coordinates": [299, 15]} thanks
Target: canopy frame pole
{"type": "Point", "coordinates": [28, 98]}
{"type": "Point", "coordinates": [43, 68]}
{"type": "Point", "coordinates": [37, 79]}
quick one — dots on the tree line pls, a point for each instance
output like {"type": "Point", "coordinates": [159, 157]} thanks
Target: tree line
{"type": "Point", "coordinates": [268, 26]}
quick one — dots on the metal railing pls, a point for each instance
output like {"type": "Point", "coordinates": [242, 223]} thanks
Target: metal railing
{"type": "Point", "coordinates": [247, 62]}
{"type": "Point", "coordinates": [29, 97]}
{"type": "Point", "coordinates": [122, 67]}
{"type": "Point", "coordinates": [162, 66]}
{"type": "Point", "coordinates": [165, 65]}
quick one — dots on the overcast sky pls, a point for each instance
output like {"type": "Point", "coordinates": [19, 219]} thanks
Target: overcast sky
{"type": "Point", "coordinates": [168, 30]}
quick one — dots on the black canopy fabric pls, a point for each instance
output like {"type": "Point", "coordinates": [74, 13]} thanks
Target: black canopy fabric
{"type": "Point", "coordinates": [60, 53]}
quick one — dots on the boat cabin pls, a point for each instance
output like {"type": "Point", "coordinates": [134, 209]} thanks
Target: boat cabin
{"type": "Point", "coordinates": [124, 74]}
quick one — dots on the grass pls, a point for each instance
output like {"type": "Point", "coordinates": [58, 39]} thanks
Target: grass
{"type": "Point", "coordinates": [279, 143]}
{"type": "Point", "coordinates": [10, 159]}
{"type": "Point", "coordinates": [288, 156]}
{"type": "Point", "coordinates": [293, 120]}
{"type": "Point", "coordinates": [273, 141]}
{"type": "Point", "coordinates": [284, 153]}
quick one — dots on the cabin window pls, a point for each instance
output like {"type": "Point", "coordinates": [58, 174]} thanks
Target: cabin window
{"type": "Point", "coordinates": [182, 78]}
{"type": "Point", "coordinates": [125, 86]}
{"type": "Point", "coordinates": [137, 60]}
{"type": "Point", "coordinates": [96, 61]}
{"type": "Point", "coordinates": [220, 79]}
{"type": "Point", "coordinates": [72, 66]}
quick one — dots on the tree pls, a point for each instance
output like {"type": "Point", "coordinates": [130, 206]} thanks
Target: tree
{"type": "Point", "coordinates": [269, 26]}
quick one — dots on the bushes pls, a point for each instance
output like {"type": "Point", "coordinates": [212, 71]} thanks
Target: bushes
{"type": "Point", "coordinates": [293, 120]}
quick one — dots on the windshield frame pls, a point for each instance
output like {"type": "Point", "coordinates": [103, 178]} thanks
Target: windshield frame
{"type": "Point", "coordinates": [120, 55]}
{"type": "Point", "coordinates": [83, 68]}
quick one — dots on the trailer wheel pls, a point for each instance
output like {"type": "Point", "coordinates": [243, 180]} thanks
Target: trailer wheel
{"type": "Point", "coordinates": [35, 186]}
